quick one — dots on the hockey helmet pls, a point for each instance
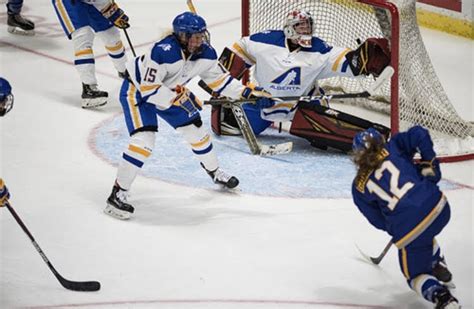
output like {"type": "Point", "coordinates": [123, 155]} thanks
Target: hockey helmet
{"type": "Point", "coordinates": [187, 24]}
{"type": "Point", "coordinates": [6, 97]}
{"type": "Point", "coordinates": [362, 140]}
{"type": "Point", "coordinates": [293, 20]}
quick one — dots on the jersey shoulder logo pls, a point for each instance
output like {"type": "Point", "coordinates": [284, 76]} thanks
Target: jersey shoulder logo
{"type": "Point", "coordinates": [290, 77]}
{"type": "Point", "coordinates": [165, 47]}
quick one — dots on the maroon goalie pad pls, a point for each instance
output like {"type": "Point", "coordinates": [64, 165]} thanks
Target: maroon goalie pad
{"type": "Point", "coordinates": [216, 119]}
{"type": "Point", "coordinates": [325, 127]}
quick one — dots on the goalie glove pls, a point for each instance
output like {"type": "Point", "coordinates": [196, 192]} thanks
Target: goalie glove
{"type": "Point", "coordinates": [264, 98]}
{"type": "Point", "coordinates": [372, 57]}
{"type": "Point", "coordinates": [116, 15]}
{"type": "Point", "coordinates": [430, 170]}
{"type": "Point", "coordinates": [187, 101]}
{"type": "Point", "coordinates": [4, 194]}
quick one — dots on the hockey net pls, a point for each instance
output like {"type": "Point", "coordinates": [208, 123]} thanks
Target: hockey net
{"type": "Point", "coordinates": [413, 96]}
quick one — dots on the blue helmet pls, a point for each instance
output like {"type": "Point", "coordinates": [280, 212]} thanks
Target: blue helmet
{"type": "Point", "coordinates": [6, 97]}
{"type": "Point", "coordinates": [189, 23]}
{"type": "Point", "coordinates": [361, 140]}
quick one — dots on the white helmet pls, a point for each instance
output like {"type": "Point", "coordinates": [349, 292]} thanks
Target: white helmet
{"type": "Point", "coordinates": [294, 18]}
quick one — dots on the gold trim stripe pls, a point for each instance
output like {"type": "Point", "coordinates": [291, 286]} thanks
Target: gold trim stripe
{"type": "Point", "coordinates": [339, 58]}
{"type": "Point", "coordinates": [87, 51]}
{"type": "Point", "coordinates": [132, 105]}
{"type": "Point", "coordinates": [117, 47]}
{"type": "Point", "coordinates": [139, 150]}
{"type": "Point", "coordinates": [241, 51]}
{"type": "Point", "coordinates": [201, 143]}
{"type": "Point", "coordinates": [65, 16]}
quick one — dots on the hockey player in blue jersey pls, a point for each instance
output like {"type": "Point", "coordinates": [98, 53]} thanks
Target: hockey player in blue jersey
{"type": "Point", "coordinates": [402, 197]}
{"type": "Point", "coordinates": [289, 62]}
{"type": "Point", "coordinates": [157, 86]}
{"type": "Point", "coordinates": [6, 104]}
{"type": "Point", "coordinates": [81, 20]}
{"type": "Point", "coordinates": [17, 24]}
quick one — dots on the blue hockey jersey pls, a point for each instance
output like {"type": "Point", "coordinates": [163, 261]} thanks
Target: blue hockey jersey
{"type": "Point", "coordinates": [395, 197]}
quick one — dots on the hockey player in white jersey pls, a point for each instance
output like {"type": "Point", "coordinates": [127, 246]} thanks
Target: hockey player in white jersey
{"type": "Point", "coordinates": [290, 62]}
{"type": "Point", "coordinates": [81, 20]}
{"type": "Point", "coordinates": [157, 86]}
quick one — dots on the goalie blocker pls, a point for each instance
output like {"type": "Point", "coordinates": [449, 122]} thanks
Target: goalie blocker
{"type": "Point", "coordinates": [325, 127]}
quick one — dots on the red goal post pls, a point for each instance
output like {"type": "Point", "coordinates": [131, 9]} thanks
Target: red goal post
{"type": "Point", "coordinates": [413, 96]}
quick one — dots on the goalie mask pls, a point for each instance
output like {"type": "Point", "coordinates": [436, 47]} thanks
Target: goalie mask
{"type": "Point", "coordinates": [6, 97]}
{"type": "Point", "coordinates": [299, 27]}
{"type": "Point", "coordinates": [191, 31]}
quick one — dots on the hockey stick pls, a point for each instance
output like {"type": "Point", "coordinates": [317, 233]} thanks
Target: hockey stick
{"type": "Point", "coordinates": [129, 43]}
{"type": "Point", "coordinates": [378, 259]}
{"type": "Point", "coordinates": [255, 146]}
{"type": "Point", "coordinates": [82, 286]}
{"type": "Point", "coordinates": [191, 6]}
{"type": "Point", "coordinates": [384, 76]}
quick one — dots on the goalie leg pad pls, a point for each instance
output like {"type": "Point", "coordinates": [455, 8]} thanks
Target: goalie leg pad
{"type": "Point", "coordinates": [140, 148]}
{"type": "Point", "coordinates": [325, 127]}
{"type": "Point", "coordinates": [200, 140]}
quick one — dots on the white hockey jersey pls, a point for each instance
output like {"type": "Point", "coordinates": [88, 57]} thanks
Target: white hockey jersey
{"type": "Point", "coordinates": [284, 73]}
{"type": "Point", "coordinates": [157, 73]}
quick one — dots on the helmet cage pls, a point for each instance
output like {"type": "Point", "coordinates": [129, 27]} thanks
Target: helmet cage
{"type": "Point", "coordinates": [187, 24]}
{"type": "Point", "coordinates": [293, 19]}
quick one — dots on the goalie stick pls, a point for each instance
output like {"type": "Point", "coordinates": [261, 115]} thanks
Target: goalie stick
{"type": "Point", "coordinates": [255, 146]}
{"type": "Point", "coordinates": [82, 286]}
{"type": "Point", "coordinates": [384, 76]}
{"type": "Point", "coordinates": [378, 259]}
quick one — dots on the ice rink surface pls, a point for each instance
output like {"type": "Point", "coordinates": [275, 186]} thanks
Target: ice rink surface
{"type": "Point", "coordinates": [192, 245]}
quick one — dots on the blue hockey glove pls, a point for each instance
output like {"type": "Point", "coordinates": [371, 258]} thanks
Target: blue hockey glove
{"type": "Point", "coordinates": [264, 98]}
{"type": "Point", "coordinates": [4, 194]}
{"type": "Point", "coordinates": [187, 101]}
{"type": "Point", "coordinates": [116, 15]}
{"type": "Point", "coordinates": [264, 102]}
{"type": "Point", "coordinates": [430, 170]}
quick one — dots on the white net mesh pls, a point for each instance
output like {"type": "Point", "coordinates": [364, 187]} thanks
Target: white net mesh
{"type": "Point", "coordinates": [422, 99]}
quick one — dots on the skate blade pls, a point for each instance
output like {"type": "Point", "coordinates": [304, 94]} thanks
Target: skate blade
{"type": "Point", "coordinates": [117, 213]}
{"type": "Point", "coordinates": [19, 31]}
{"type": "Point", "coordinates": [92, 103]}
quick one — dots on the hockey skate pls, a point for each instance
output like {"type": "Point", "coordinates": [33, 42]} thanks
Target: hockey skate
{"type": "Point", "coordinates": [17, 24]}
{"type": "Point", "coordinates": [117, 205]}
{"type": "Point", "coordinates": [222, 178]}
{"type": "Point", "coordinates": [444, 300]}
{"type": "Point", "coordinates": [92, 96]}
{"type": "Point", "coordinates": [442, 273]}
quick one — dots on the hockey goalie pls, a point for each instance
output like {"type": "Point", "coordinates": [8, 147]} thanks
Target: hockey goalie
{"type": "Point", "coordinates": [289, 63]}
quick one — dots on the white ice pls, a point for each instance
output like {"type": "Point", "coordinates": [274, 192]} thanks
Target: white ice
{"type": "Point", "coordinates": [187, 247]}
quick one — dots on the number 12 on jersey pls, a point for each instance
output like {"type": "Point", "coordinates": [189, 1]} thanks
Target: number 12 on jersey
{"type": "Point", "coordinates": [396, 192]}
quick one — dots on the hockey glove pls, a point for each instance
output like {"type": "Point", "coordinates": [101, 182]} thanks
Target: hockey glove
{"type": "Point", "coordinates": [4, 194]}
{"type": "Point", "coordinates": [264, 98]}
{"type": "Point", "coordinates": [187, 101]}
{"type": "Point", "coordinates": [430, 170]}
{"type": "Point", "coordinates": [372, 57]}
{"type": "Point", "coordinates": [116, 15]}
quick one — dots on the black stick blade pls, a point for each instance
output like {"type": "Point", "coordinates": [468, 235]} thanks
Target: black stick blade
{"type": "Point", "coordinates": [81, 286]}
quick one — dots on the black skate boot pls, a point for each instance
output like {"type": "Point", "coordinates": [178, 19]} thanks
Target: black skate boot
{"type": "Point", "coordinates": [92, 96]}
{"type": "Point", "coordinates": [442, 273]}
{"type": "Point", "coordinates": [222, 178]}
{"type": "Point", "coordinates": [444, 300]}
{"type": "Point", "coordinates": [117, 205]}
{"type": "Point", "coordinates": [17, 24]}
